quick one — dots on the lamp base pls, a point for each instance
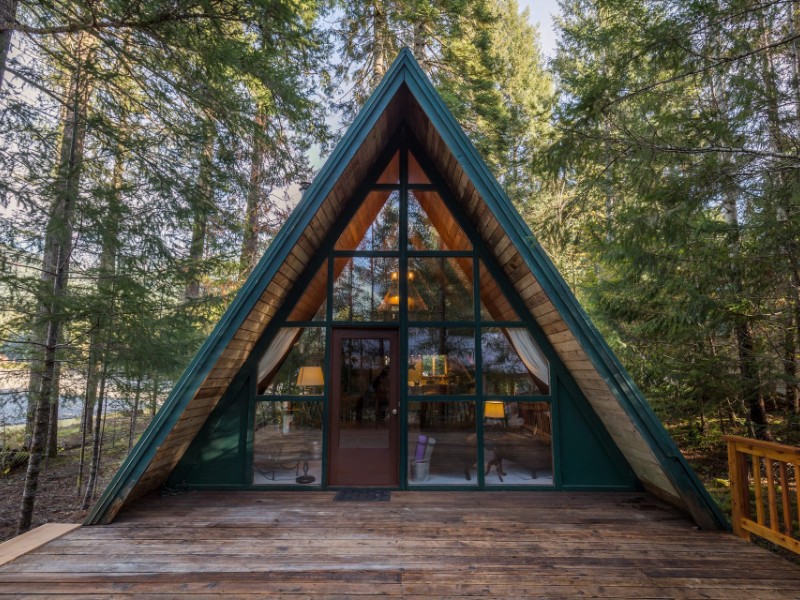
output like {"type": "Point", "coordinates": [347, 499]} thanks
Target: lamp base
{"type": "Point", "coordinates": [305, 477]}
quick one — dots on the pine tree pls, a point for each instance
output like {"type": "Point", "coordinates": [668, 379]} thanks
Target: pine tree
{"type": "Point", "coordinates": [129, 177]}
{"type": "Point", "coordinates": [668, 131]}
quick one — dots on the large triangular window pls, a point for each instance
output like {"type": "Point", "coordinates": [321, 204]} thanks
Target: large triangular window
{"type": "Point", "coordinates": [403, 256]}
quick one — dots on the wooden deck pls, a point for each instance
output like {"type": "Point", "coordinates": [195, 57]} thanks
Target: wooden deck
{"type": "Point", "coordinates": [418, 545]}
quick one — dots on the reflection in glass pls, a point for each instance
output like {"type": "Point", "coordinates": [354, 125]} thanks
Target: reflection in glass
{"type": "Point", "coordinates": [391, 174]}
{"type": "Point", "coordinates": [312, 306]}
{"type": "Point", "coordinates": [442, 443]}
{"type": "Point", "coordinates": [287, 443]}
{"type": "Point", "coordinates": [517, 443]}
{"type": "Point", "coordinates": [443, 360]}
{"type": "Point", "coordinates": [290, 349]}
{"type": "Point", "coordinates": [513, 365]}
{"type": "Point", "coordinates": [494, 304]}
{"type": "Point", "coordinates": [415, 172]}
{"type": "Point", "coordinates": [361, 286]}
{"type": "Point", "coordinates": [376, 224]}
{"type": "Point", "coordinates": [431, 226]}
{"type": "Point", "coordinates": [444, 288]}
{"type": "Point", "coordinates": [364, 393]}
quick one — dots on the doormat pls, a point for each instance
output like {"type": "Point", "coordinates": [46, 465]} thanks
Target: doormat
{"type": "Point", "coordinates": [359, 495]}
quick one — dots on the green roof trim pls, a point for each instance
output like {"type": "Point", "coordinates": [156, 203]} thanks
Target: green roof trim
{"type": "Point", "coordinates": [406, 71]}
{"type": "Point", "coordinates": [605, 361]}
{"type": "Point", "coordinates": [203, 362]}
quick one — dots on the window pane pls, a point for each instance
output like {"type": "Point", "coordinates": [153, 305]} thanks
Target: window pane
{"type": "Point", "coordinates": [517, 443]}
{"type": "Point", "coordinates": [287, 443]}
{"type": "Point", "coordinates": [391, 174]}
{"type": "Point", "coordinates": [313, 305]}
{"type": "Point", "coordinates": [441, 361]}
{"type": "Point", "coordinates": [513, 365]}
{"type": "Point", "coordinates": [415, 172]}
{"type": "Point", "coordinates": [442, 446]}
{"type": "Point", "coordinates": [431, 226]}
{"type": "Point", "coordinates": [364, 392]}
{"type": "Point", "coordinates": [440, 289]}
{"type": "Point", "coordinates": [366, 289]}
{"type": "Point", "coordinates": [280, 366]}
{"type": "Point", "coordinates": [376, 224]}
{"type": "Point", "coordinates": [494, 304]}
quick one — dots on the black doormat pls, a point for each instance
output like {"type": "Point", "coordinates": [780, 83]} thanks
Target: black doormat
{"type": "Point", "coordinates": [361, 495]}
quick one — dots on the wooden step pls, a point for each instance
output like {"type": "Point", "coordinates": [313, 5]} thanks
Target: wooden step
{"type": "Point", "coordinates": [30, 540]}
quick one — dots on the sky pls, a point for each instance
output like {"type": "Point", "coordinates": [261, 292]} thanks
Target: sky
{"type": "Point", "coordinates": [541, 12]}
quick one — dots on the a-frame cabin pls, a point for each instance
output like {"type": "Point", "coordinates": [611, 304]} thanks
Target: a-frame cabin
{"type": "Point", "coordinates": [404, 330]}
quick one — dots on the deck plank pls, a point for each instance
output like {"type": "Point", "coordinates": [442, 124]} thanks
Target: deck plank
{"type": "Point", "coordinates": [419, 545]}
{"type": "Point", "coordinates": [15, 547]}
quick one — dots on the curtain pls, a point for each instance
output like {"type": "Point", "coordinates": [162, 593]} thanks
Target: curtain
{"type": "Point", "coordinates": [529, 353]}
{"type": "Point", "coordinates": [277, 350]}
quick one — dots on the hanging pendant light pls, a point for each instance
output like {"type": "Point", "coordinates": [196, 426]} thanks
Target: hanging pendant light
{"type": "Point", "coordinates": [391, 301]}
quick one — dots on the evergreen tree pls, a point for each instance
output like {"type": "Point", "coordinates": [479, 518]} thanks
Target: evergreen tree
{"type": "Point", "coordinates": [126, 210]}
{"type": "Point", "coordinates": [664, 125]}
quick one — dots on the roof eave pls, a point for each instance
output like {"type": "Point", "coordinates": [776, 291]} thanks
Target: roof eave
{"type": "Point", "coordinates": [695, 496]}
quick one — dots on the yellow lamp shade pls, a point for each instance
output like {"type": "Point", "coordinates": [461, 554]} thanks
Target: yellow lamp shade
{"type": "Point", "coordinates": [310, 376]}
{"type": "Point", "coordinates": [494, 410]}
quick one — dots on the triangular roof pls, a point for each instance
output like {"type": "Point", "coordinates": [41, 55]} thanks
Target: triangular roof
{"type": "Point", "coordinates": [406, 96]}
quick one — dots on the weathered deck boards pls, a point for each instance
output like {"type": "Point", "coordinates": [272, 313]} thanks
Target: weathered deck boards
{"type": "Point", "coordinates": [419, 545]}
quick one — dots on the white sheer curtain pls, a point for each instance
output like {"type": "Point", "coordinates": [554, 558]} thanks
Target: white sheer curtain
{"type": "Point", "coordinates": [529, 353]}
{"type": "Point", "coordinates": [277, 350]}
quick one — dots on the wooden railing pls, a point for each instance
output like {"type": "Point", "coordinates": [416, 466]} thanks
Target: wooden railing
{"type": "Point", "coordinates": [754, 464]}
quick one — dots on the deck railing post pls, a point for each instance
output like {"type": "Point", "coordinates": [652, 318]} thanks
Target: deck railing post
{"type": "Point", "coordinates": [740, 489]}
{"type": "Point", "coordinates": [781, 465]}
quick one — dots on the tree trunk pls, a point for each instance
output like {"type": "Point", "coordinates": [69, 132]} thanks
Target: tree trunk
{"type": "Point", "coordinates": [793, 389]}
{"type": "Point", "coordinates": [421, 39]}
{"type": "Point", "coordinates": [96, 441]}
{"type": "Point", "coordinates": [135, 413]}
{"type": "Point", "coordinates": [66, 190]}
{"type": "Point", "coordinates": [39, 328]}
{"type": "Point", "coordinates": [786, 181]}
{"type": "Point", "coordinates": [204, 203]}
{"type": "Point", "coordinates": [51, 450]}
{"type": "Point", "coordinates": [750, 378]}
{"type": "Point", "coordinates": [379, 25]}
{"type": "Point", "coordinates": [154, 397]}
{"type": "Point", "coordinates": [793, 18]}
{"type": "Point", "coordinates": [89, 398]}
{"type": "Point", "coordinates": [249, 256]}
{"type": "Point", "coordinates": [8, 14]}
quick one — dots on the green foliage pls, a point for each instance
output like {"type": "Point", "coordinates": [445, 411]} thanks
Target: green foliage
{"type": "Point", "coordinates": [681, 194]}
{"type": "Point", "coordinates": [163, 79]}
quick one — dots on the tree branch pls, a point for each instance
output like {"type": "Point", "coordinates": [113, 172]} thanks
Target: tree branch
{"type": "Point", "coordinates": [97, 24]}
{"type": "Point", "coordinates": [717, 63]}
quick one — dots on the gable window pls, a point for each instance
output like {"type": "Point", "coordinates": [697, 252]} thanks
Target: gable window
{"type": "Point", "coordinates": [463, 397]}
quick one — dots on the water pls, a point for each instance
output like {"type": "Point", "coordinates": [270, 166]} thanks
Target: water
{"type": "Point", "coordinates": [13, 405]}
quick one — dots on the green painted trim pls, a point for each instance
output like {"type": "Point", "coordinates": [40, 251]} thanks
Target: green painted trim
{"type": "Point", "coordinates": [249, 434]}
{"type": "Point", "coordinates": [405, 71]}
{"type": "Point", "coordinates": [402, 426]}
{"type": "Point", "coordinates": [185, 389]}
{"type": "Point", "coordinates": [366, 253]}
{"type": "Point", "coordinates": [309, 398]}
{"type": "Point", "coordinates": [664, 448]}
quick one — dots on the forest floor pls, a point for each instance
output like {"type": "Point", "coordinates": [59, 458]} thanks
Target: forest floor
{"type": "Point", "coordinates": [58, 499]}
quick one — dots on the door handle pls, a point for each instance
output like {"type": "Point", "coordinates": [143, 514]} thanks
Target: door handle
{"type": "Point", "coordinates": [394, 411]}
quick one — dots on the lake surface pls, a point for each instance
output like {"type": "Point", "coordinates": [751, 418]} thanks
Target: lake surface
{"type": "Point", "coordinates": [13, 405]}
